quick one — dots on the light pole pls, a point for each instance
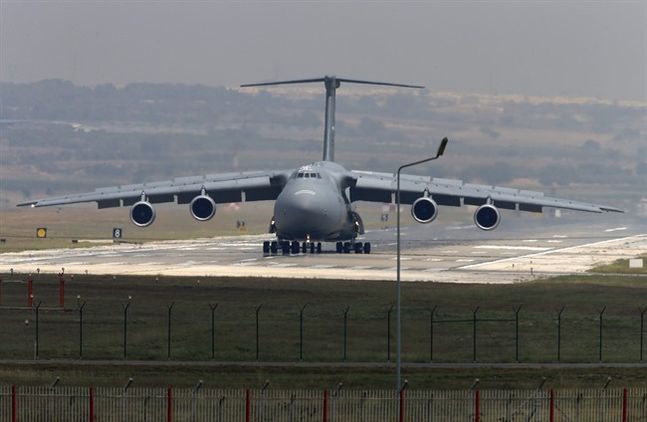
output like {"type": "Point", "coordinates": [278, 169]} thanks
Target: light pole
{"type": "Point", "coordinates": [440, 152]}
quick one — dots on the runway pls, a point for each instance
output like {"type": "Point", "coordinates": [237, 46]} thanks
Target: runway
{"type": "Point", "coordinates": [522, 249]}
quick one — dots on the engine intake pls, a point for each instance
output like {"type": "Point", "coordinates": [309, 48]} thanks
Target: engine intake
{"type": "Point", "coordinates": [202, 207]}
{"type": "Point", "coordinates": [424, 210]}
{"type": "Point", "coordinates": [487, 217]}
{"type": "Point", "coordinates": [142, 214]}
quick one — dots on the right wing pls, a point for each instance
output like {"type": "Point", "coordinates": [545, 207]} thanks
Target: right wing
{"type": "Point", "coordinates": [223, 188]}
{"type": "Point", "coordinates": [381, 187]}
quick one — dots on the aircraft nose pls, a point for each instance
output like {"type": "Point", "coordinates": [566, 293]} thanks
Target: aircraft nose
{"type": "Point", "coordinates": [304, 212]}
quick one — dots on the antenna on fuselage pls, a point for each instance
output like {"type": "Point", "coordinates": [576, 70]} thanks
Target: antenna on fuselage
{"type": "Point", "coordinates": [331, 83]}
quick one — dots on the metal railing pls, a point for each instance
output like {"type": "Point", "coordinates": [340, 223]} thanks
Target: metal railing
{"type": "Point", "coordinates": [29, 403]}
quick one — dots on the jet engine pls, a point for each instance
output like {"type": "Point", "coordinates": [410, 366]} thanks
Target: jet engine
{"type": "Point", "coordinates": [142, 214]}
{"type": "Point", "coordinates": [487, 217]}
{"type": "Point", "coordinates": [202, 207]}
{"type": "Point", "coordinates": [424, 210]}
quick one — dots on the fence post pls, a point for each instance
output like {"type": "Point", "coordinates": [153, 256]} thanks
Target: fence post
{"type": "Point", "coordinates": [474, 333]}
{"type": "Point", "coordinates": [624, 405]}
{"type": "Point", "coordinates": [168, 343]}
{"type": "Point", "coordinates": [601, 314]}
{"type": "Point", "coordinates": [325, 406]}
{"type": "Point", "coordinates": [30, 291]}
{"type": "Point", "coordinates": [14, 409]}
{"type": "Point", "coordinates": [477, 405]}
{"type": "Point", "coordinates": [401, 419]}
{"type": "Point", "coordinates": [345, 330]}
{"type": "Point", "coordinates": [301, 309]}
{"type": "Point", "coordinates": [516, 334]}
{"type": "Point", "coordinates": [61, 291]}
{"type": "Point", "coordinates": [213, 330]}
{"type": "Point", "coordinates": [258, 309]}
{"type": "Point", "coordinates": [91, 404]}
{"type": "Point", "coordinates": [248, 407]}
{"type": "Point", "coordinates": [126, 307]}
{"type": "Point", "coordinates": [169, 404]}
{"type": "Point", "coordinates": [388, 333]}
{"type": "Point", "coordinates": [81, 330]}
{"type": "Point", "coordinates": [552, 405]}
{"type": "Point", "coordinates": [431, 333]}
{"type": "Point", "coordinates": [642, 326]}
{"type": "Point", "coordinates": [559, 334]}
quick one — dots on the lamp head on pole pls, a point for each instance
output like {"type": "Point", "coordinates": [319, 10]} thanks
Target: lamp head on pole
{"type": "Point", "coordinates": [441, 148]}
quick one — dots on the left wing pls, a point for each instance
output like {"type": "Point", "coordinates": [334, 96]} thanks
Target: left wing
{"type": "Point", "coordinates": [381, 187]}
{"type": "Point", "coordinates": [222, 188]}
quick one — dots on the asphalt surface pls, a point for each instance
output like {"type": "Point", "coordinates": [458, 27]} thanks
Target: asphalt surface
{"type": "Point", "coordinates": [521, 249]}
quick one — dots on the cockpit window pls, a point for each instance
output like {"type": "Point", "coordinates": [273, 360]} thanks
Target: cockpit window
{"type": "Point", "coordinates": [307, 175]}
{"type": "Point", "coordinates": [300, 175]}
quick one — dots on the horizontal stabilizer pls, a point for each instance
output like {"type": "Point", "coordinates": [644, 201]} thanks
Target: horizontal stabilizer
{"type": "Point", "coordinates": [325, 78]}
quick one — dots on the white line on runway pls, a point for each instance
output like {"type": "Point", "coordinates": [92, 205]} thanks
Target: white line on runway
{"type": "Point", "coordinates": [554, 241]}
{"type": "Point", "coordinates": [465, 260]}
{"type": "Point", "coordinates": [617, 229]}
{"type": "Point", "coordinates": [512, 248]}
{"type": "Point", "coordinates": [249, 260]}
{"type": "Point", "coordinates": [361, 267]}
{"type": "Point", "coordinates": [529, 240]}
{"type": "Point", "coordinates": [466, 267]}
{"type": "Point", "coordinates": [560, 236]}
{"type": "Point", "coordinates": [323, 266]}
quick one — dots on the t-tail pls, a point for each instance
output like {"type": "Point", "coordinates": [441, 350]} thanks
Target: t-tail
{"type": "Point", "coordinates": [331, 83]}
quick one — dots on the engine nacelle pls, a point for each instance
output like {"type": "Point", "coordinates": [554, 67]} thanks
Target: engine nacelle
{"type": "Point", "coordinates": [142, 214]}
{"type": "Point", "coordinates": [202, 207]}
{"type": "Point", "coordinates": [424, 210]}
{"type": "Point", "coordinates": [487, 217]}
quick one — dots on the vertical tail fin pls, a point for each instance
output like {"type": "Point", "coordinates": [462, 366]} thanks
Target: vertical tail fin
{"type": "Point", "coordinates": [331, 83]}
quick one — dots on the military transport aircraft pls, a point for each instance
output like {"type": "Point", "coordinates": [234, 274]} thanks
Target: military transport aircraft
{"type": "Point", "coordinates": [313, 202]}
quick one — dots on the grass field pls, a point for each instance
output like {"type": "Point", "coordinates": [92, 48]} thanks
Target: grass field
{"type": "Point", "coordinates": [235, 328]}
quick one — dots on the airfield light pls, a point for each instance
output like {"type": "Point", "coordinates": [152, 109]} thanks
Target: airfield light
{"type": "Point", "coordinates": [440, 152]}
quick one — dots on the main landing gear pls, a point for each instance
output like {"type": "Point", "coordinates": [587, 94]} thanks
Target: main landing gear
{"type": "Point", "coordinates": [357, 247]}
{"type": "Point", "coordinates": [286, 247]}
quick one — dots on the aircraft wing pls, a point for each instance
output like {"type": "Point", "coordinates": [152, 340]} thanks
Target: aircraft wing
{"type": "Point", "coordinates": [223, 188]}
{"type": "Point", "coordinates": [381, 187]}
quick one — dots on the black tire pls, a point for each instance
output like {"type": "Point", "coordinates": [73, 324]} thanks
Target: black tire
{"type": "Point", "coordinates": [304, 247]}
{"type": "Point", "coordinates": [318, 247]}
{"type": "Point", "coordinates": [358, 247]}
{"type": "Point", "coordinates": [312, 248]}
{"type": "Point", "coordinates": [367, 247]}
{"type": "Point", "coordinates": [346, 247]}
{"type": "Point", "coordinates": [266, 247]}
{"type": "Point", "coordinates": [339, 247]}
{"type": "Point", "coordinates": [285, 247]}
{"type": "Point", "coordinates": [295, 247]}
{"type": "Point", "coordinates": [274, 247]}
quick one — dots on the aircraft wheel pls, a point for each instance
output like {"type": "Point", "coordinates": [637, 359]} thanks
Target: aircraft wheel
{"type": "Point", "coordinates": [346, 247]}
{"type": "Point", "coordinates": [367, 247]}
{"type": "Point", "coordinates": [274, 247]}
{"type": "Point", "coordinates": [358, 247]}
{"type": "Point", "coordinates": [295, 247]}
{"type": "Point", "coordinates": [285, 247]}
{"type": "Point", "coordinates": [312, 248]}
{"type": "Point", "coordinates": [266, 247]}
{"type": "Point", "coordinates": [318, 247]}
{"type": "Point", "coordinates": [339, 246]}
{"type": "Point", "coordinates": [304, 247]}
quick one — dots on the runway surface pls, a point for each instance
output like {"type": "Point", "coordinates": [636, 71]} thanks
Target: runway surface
{"type": "Point", "coordinates": [523, 248]}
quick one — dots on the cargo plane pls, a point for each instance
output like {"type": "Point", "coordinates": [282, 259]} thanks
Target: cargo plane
{"type": "Point", "coordinates": [313, 203]}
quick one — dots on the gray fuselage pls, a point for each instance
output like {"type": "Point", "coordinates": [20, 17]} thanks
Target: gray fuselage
{"type": "Point", "coordinates": [314, 206]}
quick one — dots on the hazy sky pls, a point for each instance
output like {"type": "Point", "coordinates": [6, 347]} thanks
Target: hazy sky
{"type": "Point", "coordinates": [528, 47]}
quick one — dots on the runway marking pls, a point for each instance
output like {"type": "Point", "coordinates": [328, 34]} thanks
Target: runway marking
{"type": "Point", "coordinates": [560, 236]}
{"type": "Point", "coordinates": [512, 248]}
{"type": "Point", "coordinates": [323, 266]}
{"type": "Point", "coordinates": [529, 240]}
{"type": "Point", "coordinates": [249, 260]}
{"type": "Point", "coordinates": [215, 248]}
{"type": "Point", "coordinates": [361, 267]}
{"type": "Point", "coordinates": [285, 265]}
{"type": "Point", "coordinates": [450, 251]}
{"type": "Point", "coordinates": [401, 259]}
{"type": "Point", "coordinates": [466, 267]}
{"type": "Point", "coordinates": [617, 229]}
{"type": "Point", "coordinates": [459, 227]}
{"type": "Point", "coordinates": [433, 259]}
{"type": "Point", "coordinates": [465, 260]}
{"type": "Point", "coordinates": [554, 241]}
{"type": "Point", "coordinates": [246, 249]}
